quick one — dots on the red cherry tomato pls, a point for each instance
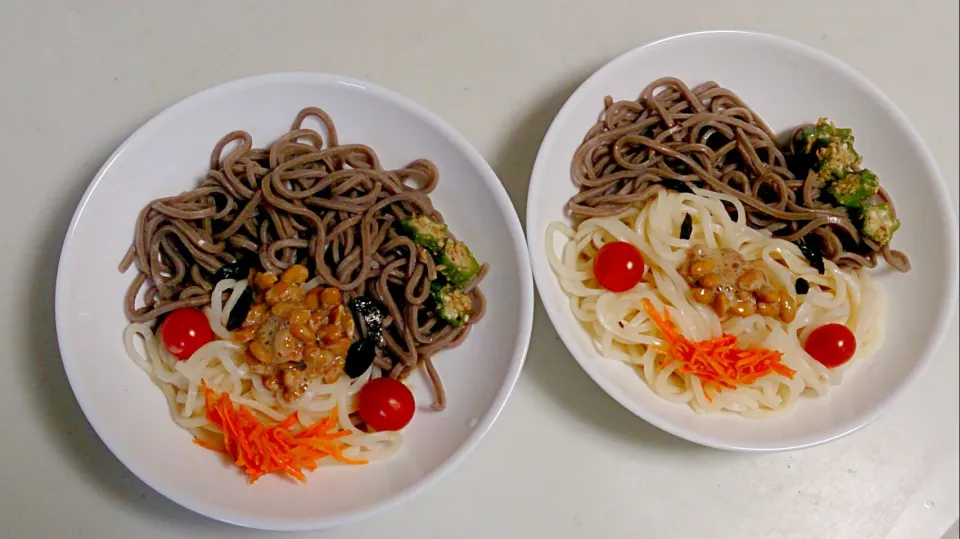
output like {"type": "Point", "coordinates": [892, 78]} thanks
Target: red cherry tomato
{"type": "Point", "coordinates": [618, 266]}
{"type": "Point", "coordinates": [385, 404]}
{"type": "Point", "coordinates": [831, 344]}
{"type": "Point", "coordinates": [184, 331]}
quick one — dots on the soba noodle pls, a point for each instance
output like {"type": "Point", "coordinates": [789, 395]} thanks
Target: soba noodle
{"type": "Point", "coordinates": [708, 138]}
{"type": "Point", "coordinates": [621, 329]}
{"type": "Point", "coordinates": [305, 199]}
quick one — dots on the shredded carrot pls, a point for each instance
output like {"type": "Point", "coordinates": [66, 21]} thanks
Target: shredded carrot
{"type": "Point", "coordinates": [719, 363]}
{"type": "Point", "coordinates": [260, 449]}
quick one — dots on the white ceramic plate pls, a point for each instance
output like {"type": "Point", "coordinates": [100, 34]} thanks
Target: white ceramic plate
{"type": "Point", "coordinates": [787, 84]}
{"type": "Point", "coordinates": [170, 154]}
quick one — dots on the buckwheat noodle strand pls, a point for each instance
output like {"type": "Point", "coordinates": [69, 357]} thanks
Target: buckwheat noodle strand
{"type": "Point", "coordinates": [304, 199]}
{"type": "Point", "coordinates": [707, 137]}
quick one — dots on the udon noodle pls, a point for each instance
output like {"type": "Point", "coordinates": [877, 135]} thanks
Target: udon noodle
{"type": "Point", "coordinates": [707, 137]}
{"type": "Point", "coordinates": [621, 329]}
{"type": "Point", "coordinates": [220, 365]}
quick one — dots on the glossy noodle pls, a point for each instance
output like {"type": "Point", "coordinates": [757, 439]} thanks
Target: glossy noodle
{"type": "Point", "coordinates": [707, 137]}
{"type": "Point", "coordinates": [220, 365]}
{"type": "Point", "coordinates": [622, 330]}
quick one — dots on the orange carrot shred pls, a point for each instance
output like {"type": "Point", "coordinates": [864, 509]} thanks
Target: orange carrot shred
{"type": "Point", "coordinates": [719, 363]}
{"type": "Point", "coordinates": [260, 449]}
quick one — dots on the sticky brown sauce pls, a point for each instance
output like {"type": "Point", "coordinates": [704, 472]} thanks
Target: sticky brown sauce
{"type": "Point", "coordinates": [733, 286]}
{"type": "Point", "coordinates": [292, 338]}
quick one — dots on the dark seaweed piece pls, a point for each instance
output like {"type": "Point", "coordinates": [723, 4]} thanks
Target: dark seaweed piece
{"type": "Point", "coordinates": [686, 228]}
{"type": "Point", "coordinates": [369, 319]}
{"type": "Point", "coordinates": [239, 312]}
{"type": "Point", "coordinates": [359, 357]}
{"type": "Point", "coordinates": [799, 162]}
{"type": "Point", "coordinates": [235, 270]}
{"type": "Point", "coordinates": [802, 286]}
{"type": "Point", "coordinates": [676, 185]}
{"type": "Point", "coordinates": [812, 254]}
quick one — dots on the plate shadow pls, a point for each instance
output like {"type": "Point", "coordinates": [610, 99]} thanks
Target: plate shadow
{"type": "Point", "coordinates": [549, 364]}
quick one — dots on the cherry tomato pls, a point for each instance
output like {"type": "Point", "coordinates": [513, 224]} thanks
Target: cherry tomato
{"type": "Point", "coordinates": [385, 404]}
{"type": "Point", "coordinates": [831, 344]}
{"type": "Point", "coordinates": [184, 331]}
{"type": "Point", "coordinates": [618, 266]}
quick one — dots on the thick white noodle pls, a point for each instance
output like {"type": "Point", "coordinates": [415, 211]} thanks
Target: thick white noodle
{"type": "Point", "coordinates": [221, 366]}
{"type": "Point", "coordinates": [621, 329]}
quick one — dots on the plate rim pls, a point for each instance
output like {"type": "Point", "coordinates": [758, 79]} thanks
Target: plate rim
{"type": "Point", "coordinates": [543, 275]}
{"type": "Point", "coordinates": [525, 302]}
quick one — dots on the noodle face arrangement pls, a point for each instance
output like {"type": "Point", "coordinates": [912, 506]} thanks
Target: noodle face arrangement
{"type": "Point", "coordinates": [281, 304]}
{"type": "Point", "coordinates": [728, 266]}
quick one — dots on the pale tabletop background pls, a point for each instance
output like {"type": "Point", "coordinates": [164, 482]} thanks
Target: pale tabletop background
{"type": "Point", "coordinates": [564, 460]}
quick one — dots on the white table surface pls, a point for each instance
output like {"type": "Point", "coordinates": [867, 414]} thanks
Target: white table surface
{"type": "Point", "coordinates": [563, 461]}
